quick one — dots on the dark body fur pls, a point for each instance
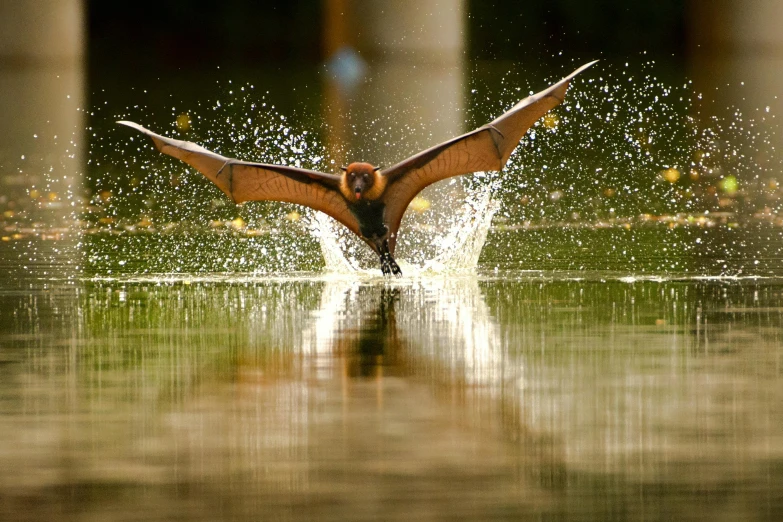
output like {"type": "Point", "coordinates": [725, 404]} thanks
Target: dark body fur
{"type": "Point", "coordinates": [369, 214]}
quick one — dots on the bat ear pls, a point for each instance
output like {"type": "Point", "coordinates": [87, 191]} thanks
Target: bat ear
{"type": "Point", "coordinates": [376, 169]}
{"type": "Point", "coordinates": [344, 169]}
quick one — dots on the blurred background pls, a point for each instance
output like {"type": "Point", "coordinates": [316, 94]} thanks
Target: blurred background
{"type": "Point", "coordinates": [613, 351]}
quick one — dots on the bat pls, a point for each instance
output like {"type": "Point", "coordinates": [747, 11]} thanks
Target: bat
{"type": "Point", "coordinates": [370, 201]}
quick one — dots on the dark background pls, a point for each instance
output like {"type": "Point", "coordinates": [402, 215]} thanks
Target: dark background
{"type": "Point", "coordinates": [195, 33]}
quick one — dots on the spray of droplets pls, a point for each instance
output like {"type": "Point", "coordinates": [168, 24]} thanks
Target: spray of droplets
{"type": "Point", "coordinates": [627, 164]}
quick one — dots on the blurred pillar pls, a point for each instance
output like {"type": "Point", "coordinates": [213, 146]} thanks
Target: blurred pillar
{"type": "Point", "coordinates": [736, 41]}
{"type": "Point", "coordinates": [400, 63]}
{"type": "Point", "coordinates": [42, 86]}
{"type": "Point", "coordinates": [396, 79]}
{"type": "Point", "coordinates": [736, 55]}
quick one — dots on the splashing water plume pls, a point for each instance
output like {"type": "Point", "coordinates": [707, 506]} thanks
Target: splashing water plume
{"type": "Point", "coordinates": [626, 173]}
{"type": "Point", "coordinates": [458, 250]}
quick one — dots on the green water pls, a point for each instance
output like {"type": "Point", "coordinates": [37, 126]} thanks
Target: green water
{"type": "Point", "coordinates": [497, 395]}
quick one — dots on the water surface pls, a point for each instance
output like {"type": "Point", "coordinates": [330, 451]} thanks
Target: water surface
{"type": "Point", "coordinates": [501, 394]}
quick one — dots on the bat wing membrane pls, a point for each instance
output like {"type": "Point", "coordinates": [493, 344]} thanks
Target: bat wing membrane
{"type": "Point", "coordinates": [487, 148]}
{"type": "Point", "coordinates": [247, 181]}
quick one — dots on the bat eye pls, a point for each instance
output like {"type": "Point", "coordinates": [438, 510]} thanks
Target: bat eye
{"type": "Point", "coordinates": [365, 176]}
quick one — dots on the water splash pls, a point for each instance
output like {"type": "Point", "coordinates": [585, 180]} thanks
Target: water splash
{"type": "Point", "coordinates": [628, 174]}
{"type": "Point", "coordinates": [461, 247]}
{"type": "Point", "coordinates": [457, 247]}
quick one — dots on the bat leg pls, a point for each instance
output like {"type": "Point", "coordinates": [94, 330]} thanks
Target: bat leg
{"type": "Point", "coordinates": [388, 265]}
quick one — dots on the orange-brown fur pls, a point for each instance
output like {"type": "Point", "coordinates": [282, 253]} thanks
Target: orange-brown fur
{"type": "Point", "coordinates": [376, 188]}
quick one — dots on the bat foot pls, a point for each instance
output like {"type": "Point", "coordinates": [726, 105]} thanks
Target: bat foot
{"type": "Point", "coordinates": [389, 266]}
{"type": "Point", "coordinates": [395, 268]}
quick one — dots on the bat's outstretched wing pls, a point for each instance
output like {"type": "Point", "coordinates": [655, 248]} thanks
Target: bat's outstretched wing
{"type": "Point", "coordinates": [484, 149]}
{"type": "Point", "coordinates": [246, 181]}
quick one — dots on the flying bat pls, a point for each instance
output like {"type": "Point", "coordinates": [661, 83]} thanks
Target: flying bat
{"type": "Point", "coordinates": [370, 201]}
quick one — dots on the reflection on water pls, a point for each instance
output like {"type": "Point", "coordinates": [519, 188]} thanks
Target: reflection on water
{"type": "Point", "coordinates": [477, 397]}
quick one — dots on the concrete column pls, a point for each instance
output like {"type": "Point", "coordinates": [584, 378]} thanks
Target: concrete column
{"type": "Point", "coordinates": [42, 86]}
{"type": "Point", "coordinates": [736, 54]}
{"type": "Point", "coordinates": [396, 85]}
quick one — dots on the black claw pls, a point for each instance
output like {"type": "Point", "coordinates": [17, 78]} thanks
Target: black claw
{"type": "Point", "coordinates": [388, 265]}
{"type": "Point", "coordinates": [395, 268]}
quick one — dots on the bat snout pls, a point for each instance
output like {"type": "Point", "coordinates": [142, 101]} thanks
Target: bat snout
{"type": "Point", "coordinates": [358, 189]}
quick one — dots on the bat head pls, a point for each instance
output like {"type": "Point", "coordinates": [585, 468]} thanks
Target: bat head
{"type": "Point", "coordinates": [361, 181]}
